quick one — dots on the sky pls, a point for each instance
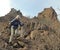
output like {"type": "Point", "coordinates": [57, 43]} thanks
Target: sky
{"type": "Point", "coordinates": [4, 7]}
{"type": "Point", "coordinates": [29, 7]}
{"type": "Point", "coordinates": [33, 7]}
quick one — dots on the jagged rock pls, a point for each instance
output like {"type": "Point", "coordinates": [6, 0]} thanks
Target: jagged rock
{"type": "Point", "coordinates": [3, 49]}
{"type": "Point", "coordinates": [43, 27]}
{"type": "Point", "coordinates": [48, 13]}
{"type": "Point", "coordinates": [3, 44]}
{"type": "Point", "coordinates": [28, 37]}
{"type": "Point", "coordinates": [34, 34]}
{"type": "Point", "coordinates": [22, 44]}
{"type": "Point", "coordinates": [15, 45]}
{"type": "Point", "coordinates": [14, 12]}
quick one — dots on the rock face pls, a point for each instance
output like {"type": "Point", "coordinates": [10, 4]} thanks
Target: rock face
{"type": "Point", "coordinates": [38, 33]}
{"type": "Point", "coordinates": [48, 13]}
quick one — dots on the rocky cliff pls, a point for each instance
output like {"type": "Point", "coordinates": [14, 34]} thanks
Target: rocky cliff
{"type": "Point", "coordinates": [38, 33]}
{"type": "Point", "coordinates": [48, 13]}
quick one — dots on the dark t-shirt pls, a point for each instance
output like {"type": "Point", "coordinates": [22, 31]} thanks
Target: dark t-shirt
{"type": "Point", "coordinates": [15, 24]}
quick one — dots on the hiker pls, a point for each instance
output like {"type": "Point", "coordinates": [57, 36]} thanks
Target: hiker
{"type": "Point", "coordinates": [14, 27]}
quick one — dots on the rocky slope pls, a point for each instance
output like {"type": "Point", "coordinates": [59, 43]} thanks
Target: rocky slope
{"type": "Point", "coordinates": [38, 33]}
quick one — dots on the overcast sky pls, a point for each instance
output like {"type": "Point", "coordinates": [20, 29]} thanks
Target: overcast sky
{"type": "Point", "coordinates": [28, 7]}
{"type": "Point", "coordinates": [5, 6]}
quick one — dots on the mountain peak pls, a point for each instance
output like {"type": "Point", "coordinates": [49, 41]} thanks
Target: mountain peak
{"type": "Point", "coordinates": [48, 13]}
{"type": "Point", "coordinates": [13, 10]}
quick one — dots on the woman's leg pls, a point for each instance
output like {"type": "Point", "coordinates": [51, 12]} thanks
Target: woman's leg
{"type": "Point", "coordinates": [12, 32]}
{"type": "Point", "coordinates": [16, 32]}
